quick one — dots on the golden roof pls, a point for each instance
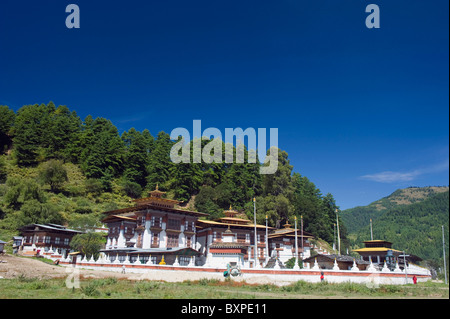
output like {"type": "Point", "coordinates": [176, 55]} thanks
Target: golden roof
{"type": "Point", "coordinates": [212, 222]}
{"type": "Point", "coordinates": [375, 249]}
{"type": "Point", "coordinates": [230, 212]}
{"type": "Point", "coordinates": [112, 217]}
{"type": "Point", "coordinates": [156, 198]}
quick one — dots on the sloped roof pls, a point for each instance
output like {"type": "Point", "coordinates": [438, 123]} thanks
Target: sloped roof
{"type": "Point", "coordinates": [155, 207]}
{"type": "Point", "coordinates": [332, 257]}
{"type": "Point", "coordinates": [217, 223]}
{"type": "Point", "coordinates": [52, 227]}
{"type": "Point", "coordinates": [119, 217]}
{"type": "Point", "coordinates": [375, 249]}
{"type": "Point", "coordinates": [228, 245]}
{"type": "Point", "coordinates": [287, 231]}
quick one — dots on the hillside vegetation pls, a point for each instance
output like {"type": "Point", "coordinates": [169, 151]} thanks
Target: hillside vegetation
{"type": "Point", "coordinates": [359, 217]}
{"type": "Point", "coordinates": [59, 168]}
{"type": "Point", "coordinates": [415, 228]}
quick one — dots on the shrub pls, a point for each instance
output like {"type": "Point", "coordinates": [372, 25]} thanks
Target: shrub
{"type": "Point", "coordinates": [90, 290]}
{"type": "Point", "coordinates": [132, 189]}
{"type": "Point", "coordinates": [38, 284]}
{"type": "Point", "coordinates": [53, 173]}
{"type": "Point", "coordinates": [93, 186]}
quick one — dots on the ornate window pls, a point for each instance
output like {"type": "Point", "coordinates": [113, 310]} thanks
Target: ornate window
{"type": "Point", "coordinates": [172, 240]}
{"type": "Point", "coordinates": [156, 221]}
{"type": "Point", "coordinates": [173, 224]}
{"type": "Point", "coordinates": [155, 240]}
{"type": "Point", "coordinates": [188, 241]}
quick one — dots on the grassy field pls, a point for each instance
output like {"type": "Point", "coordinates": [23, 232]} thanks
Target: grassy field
{"type": "Point", "coordinates": [23, 287]}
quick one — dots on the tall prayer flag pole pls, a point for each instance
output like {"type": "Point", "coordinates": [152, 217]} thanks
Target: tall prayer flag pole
{"type": "Point", "coordinates": [371, 231]}
{"type": "Point", "coordinates": [443, 247]}
{"type": "Point", "coordinates": [301, 223]}
{"type": "Point", "coordinates": [405, 268]}
{"type": "Point", "coordinates": [256, 237]}
{"type": "Point", "coordinates": [296, 246]}
{"type": "Point", "coordinates": [334, 236]}
{"type": "Point", "coordinates": [339, 237]}
{"type": "Point", "coordinates": [267, 240]}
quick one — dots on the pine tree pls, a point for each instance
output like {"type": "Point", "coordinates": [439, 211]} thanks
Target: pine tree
{"type": "Point", "coordinates": [103, 150]}
{"type": "Point", "coordinates": [159, 163]}
{"type": "Point", "coordinates": [30, 128]}
{"type": "Point", "coordinates": [243, 181]}
{"type": "Point", "coordinates": [186, 178]}
{"type": "Point", "coordinates": [135, 157]}
{"type": "Point", "coordinates": [205, 201]}
{"type": "Point", "coordinates": [7, 118]}
{"type": "Point", "coordinates": [277, 193]}
{"type": "Point", "coordinates": [64, 128]}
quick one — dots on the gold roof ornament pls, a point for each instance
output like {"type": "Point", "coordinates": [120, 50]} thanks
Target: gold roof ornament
{"type": "Point", "coordinates": [228, 231]}
{"type": "Point", "coordinates": [287, 225]}
{"type": "Point", "coordinates": [157, 191]}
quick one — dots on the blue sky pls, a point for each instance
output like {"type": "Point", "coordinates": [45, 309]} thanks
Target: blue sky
{"type": "Point", "coordinates": [361, 112]}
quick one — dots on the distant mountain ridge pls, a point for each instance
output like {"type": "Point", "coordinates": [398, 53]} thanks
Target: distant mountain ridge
{"type": "Point", "coordinates": [414, 228]}
{"type": "Point", "coordinates": [359, 217]}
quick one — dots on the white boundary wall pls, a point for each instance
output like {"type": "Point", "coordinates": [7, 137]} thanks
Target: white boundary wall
{"type": "Point", "coordinates": [251, 275]}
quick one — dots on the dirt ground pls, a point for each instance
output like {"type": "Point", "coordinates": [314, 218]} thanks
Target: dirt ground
{"type": "Point", "coordinates": [13, 266]}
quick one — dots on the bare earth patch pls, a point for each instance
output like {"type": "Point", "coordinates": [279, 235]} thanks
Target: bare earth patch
{"type": "Point", "coordinates": [13, 266]}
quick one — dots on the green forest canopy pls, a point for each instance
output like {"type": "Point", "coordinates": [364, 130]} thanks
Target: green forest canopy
{"type": "Point", "coordinates": [104, 168]}
{"type": "Point", "coordinates": [415, 228]}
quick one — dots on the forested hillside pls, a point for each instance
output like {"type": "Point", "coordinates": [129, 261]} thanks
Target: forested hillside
{"type": "Point", "coordinates": [359, 217]}
{"type": "Point", "coordinates": [411, 218]}
{"type": "Point", "coordinates": [415, 228]}
{"type": "Point", "coordinates": [56, 167]}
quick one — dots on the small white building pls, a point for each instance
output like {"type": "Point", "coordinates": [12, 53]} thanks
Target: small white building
{"type": "Point", "coordinates": [233, 235]}
{"type": "Point", "coordinates": [46, 239]}
{"type": "Point", "coordinates": [228, 251]}
{"type": "Point", "coordinates": [282, 243]}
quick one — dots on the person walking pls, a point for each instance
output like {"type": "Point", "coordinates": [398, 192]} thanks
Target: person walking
{"type": "Point", "coordinates": [322, 276]}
